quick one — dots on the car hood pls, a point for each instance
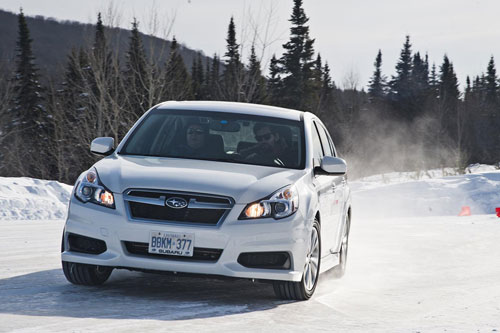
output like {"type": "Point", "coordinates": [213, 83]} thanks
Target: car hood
{"type": "Point", "coordinates": [244, 183]}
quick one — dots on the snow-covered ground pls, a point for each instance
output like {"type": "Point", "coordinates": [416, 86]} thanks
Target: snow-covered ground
{"type": "Point", "coordinates": [32, 199]}
{"type": "Point", "coordinates": [428, 194]}
{"type": "Point", "coordinates": [414, 266]}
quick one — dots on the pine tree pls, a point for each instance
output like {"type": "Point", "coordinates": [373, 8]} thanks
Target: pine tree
{"type": "Point", "coordinates": [491, 84]}
{"type": "Point", "coordinates": [73, 102]}
{"type": "Point", "coordinates": [449, 95]}
{"type": "Point", "coordinates": [419, 86]}
{"type": "Point", "coordinates": [177, 79]}
{"type": "Point", "coordinates": [274, 83]}
{"type": "Point", "coordinates": [377, 84]}
{"type": "Point", "coordinates": [213, 79]}
{"type": "Point", "coordinates": [297, 62]}
{"type": "Point", "coordinates": [326, 93]}
{"type": "Point", "coordinates": [448, 90]}
{"type": "Point", "coordinates": [198, 78]}
{"type": "Point", "coordinates": [101, 54]}
{"type": "Point", "coordinates": [468, 88]}
{"type": "Point", "coordinates": [101, 81]}
{"type": "Point", "coordinates": [314, 102]}
{"type": "Point", "coordinates": [433, 82]}
{"type": "Point", "coordinates": [255, 83]}
{"type": "Point", "coordinates": [136, 73]}
{"type": "Point", "coordinates": [420, 73]}
{"type": "Point", "coordinates": [26, 153]}
{"type": "Point", "coordinates": [328, 83]}
{"type": "Point", "coordinates": [489, 117]}
{"type": "Point", "coordinates": [232, 83]}
{"type": "Point", "coordinates": [401, 83]}
{"type": "Point", "coordinates": [73, 93]}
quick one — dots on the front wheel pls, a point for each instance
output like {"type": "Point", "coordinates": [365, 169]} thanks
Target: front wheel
{"type": "Point", "coordinates": [88, 275]}
{"type": "Point", "coordinates": [304, 289]}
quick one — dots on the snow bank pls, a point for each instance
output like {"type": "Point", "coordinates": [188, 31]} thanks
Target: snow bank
{"type": "Point", "coordinates": [398, 195]}
{"type": "Point", "coordinates": [33, 199]}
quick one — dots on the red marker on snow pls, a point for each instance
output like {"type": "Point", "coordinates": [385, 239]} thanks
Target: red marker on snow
{"type": "Point", "coordinates": [498, 211]}
{"type": "Point", "coordinates": [465, 211]}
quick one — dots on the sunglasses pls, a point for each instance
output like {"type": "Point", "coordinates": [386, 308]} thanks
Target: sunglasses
{"type": "Point", "coordinates": [263, 137]}
{"type": "Point", "coordinates": [193, 131]}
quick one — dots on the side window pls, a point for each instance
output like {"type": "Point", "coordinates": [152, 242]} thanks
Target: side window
{"type": "Point", "coordinates": [317, 148]}
{"type": "Point", "coordinates": [327, 147]}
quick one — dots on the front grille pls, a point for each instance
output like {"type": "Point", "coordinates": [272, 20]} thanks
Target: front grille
{"type": "Point", "coordinates": [201, 209]}
{"type": "Point", "coordinates": [187, 196]}
{"type": "Point", "coordinates": [199, 253]}
{"type": "Point", "coordinates": [151, 212]}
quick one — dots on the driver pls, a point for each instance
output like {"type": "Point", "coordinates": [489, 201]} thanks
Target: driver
{"type": "Point", "coordinates": [195, 141]}
{"type": "Point", "coordinates": [270, 149]}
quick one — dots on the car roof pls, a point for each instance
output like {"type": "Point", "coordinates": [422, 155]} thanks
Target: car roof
{"type": "Point", "coordinates": [233, 107]}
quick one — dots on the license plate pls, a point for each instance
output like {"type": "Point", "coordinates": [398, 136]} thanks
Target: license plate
{"type": "Point", "coordinates": [173, 244]}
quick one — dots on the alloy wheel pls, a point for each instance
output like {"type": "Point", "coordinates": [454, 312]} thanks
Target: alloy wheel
{"type": "Point", "coordinates": [311, 270]}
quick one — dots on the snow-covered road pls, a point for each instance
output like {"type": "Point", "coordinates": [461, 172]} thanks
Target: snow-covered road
{"type": "Point", "coordinates": [404, 275]}
{"type": "Point", "coordinates": [413, 266]}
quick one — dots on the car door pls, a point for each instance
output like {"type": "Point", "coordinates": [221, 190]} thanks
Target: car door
{"type": "Point", "coordinates": [336, 196]}
{"type": "Point", "coordinates": [326, 194]}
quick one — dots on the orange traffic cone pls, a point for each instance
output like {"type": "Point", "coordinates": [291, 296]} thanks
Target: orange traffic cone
{"type": "Point", "coordinates": [465, 211]}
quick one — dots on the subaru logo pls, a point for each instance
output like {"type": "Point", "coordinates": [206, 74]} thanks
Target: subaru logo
{"type": "Point", "coordinates": [177, 203]}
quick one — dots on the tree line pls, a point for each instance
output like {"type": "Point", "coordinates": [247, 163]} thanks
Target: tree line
{"type": "Point", "coordinates": [414, 120]}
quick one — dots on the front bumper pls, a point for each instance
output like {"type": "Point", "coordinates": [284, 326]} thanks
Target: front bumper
{"type": "Point", "coordinates": [233, 236]}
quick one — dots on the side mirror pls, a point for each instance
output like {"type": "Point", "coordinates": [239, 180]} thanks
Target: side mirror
{"type": "Point", "coordinates": [333, 165]}
{"type": "Point", "coordinates": [103, 146]}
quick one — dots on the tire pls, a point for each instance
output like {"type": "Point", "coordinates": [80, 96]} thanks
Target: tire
{"type": "Point", "coordinates": [87, 275]}
{"type": "Point", "coordinates": [339, 270]}
{"type": "Point", "coordinates": [304, 289]}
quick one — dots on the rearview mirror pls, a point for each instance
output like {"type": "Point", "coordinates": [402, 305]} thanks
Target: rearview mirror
{"type": "Point", "coordinates": [333, 165]}
{"type": "Point", "coordinates": [103, 146]}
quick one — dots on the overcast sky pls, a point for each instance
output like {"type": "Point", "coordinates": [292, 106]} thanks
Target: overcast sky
{"type": "Point", "coordinates": [348, 34]}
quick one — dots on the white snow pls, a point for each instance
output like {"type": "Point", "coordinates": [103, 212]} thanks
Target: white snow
{"type": "Point", "coordinates": [402, 194]}
{"type": "Point", "coordinates": [414, 266]}
{"type": "Point", "coordinates": [33, 199]}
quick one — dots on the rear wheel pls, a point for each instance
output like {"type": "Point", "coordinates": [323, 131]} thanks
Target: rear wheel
{"type": "Point", "coordinates": [339, 270]}
{"type": "Point", "coordinates": [304, 289]}
{"type": "Point", "coordinates": [88, 275]}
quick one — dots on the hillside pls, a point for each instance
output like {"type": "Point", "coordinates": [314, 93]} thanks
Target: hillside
{"type": "Point", "coordinates": [53, 40]}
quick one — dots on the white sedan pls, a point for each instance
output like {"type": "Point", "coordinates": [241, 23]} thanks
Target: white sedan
{"type": "Point", "coordinates": [213, 188]}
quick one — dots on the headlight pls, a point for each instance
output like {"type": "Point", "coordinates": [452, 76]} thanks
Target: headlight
{"type": "Point", "coordinates": [90, 189]}
{"type": "Point", "coordinates": [278, 205]}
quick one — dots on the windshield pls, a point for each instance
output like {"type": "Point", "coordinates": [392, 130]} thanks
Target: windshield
{"type": "Point", "coordinates": [218, 136]}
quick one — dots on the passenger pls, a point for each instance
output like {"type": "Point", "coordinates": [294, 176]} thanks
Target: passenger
{"type": "Point", "coordinates": [270, 149]}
